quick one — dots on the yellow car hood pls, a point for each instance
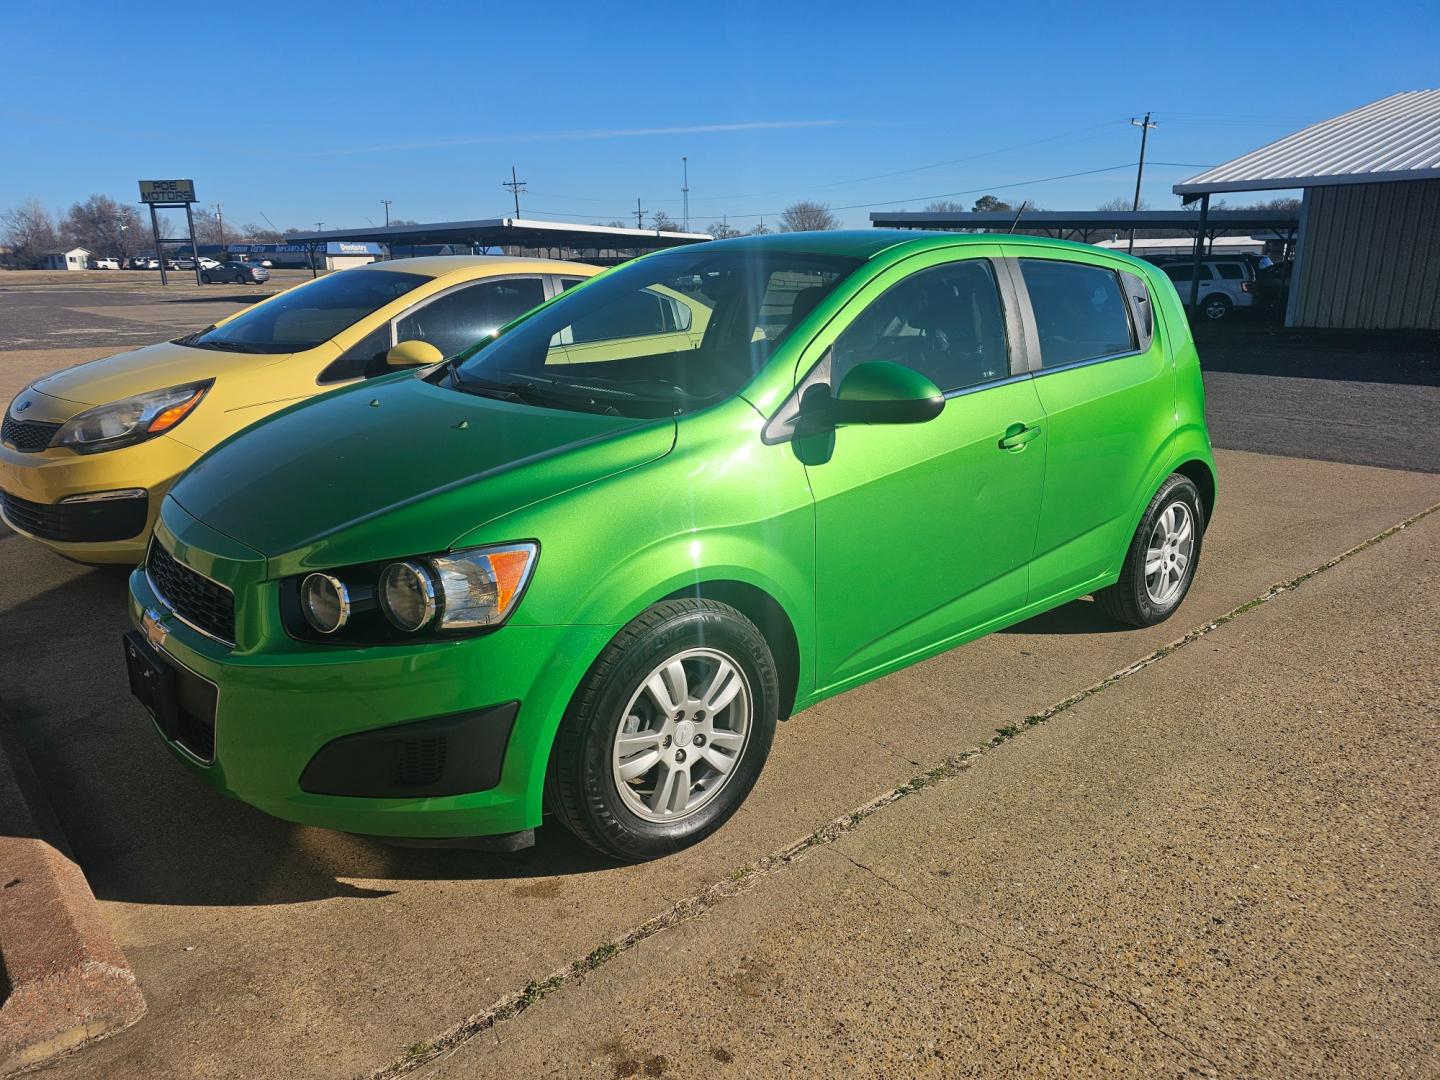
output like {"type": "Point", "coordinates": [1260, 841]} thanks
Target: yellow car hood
{"type": "Point", "coordinates": [154, 367]}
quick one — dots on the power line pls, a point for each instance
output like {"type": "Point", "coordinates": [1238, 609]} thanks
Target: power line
{"type": "Point", "coordinates": [911, 198]}
{"type": "Point", "coordinates": [1075, 133]}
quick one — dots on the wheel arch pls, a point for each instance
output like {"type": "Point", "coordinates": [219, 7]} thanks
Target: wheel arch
{"type": "Point", "coordinates": [1200, 474]}
{"type": "Point", "coordinates": [768, 614]}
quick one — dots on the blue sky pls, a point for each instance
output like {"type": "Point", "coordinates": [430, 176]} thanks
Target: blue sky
{"type": "Point", "coordinates": [307, 112]}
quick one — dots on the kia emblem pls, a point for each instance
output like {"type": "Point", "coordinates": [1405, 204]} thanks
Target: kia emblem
{"type": "Point", "coordinates": [22, 406]}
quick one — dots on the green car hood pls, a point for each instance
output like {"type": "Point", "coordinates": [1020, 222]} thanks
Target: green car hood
{"type": "Point", "coordinates": [400, 467]}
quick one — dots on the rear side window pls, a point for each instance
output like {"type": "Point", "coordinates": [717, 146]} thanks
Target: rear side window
{"type": "Point", "coordinates": [945, 322]}
{"type": "Point", "coordinates": [1080, 311]}
{"type": "Point", "coordinates": [1229, 271]}
{"type": "Point", "coordinates": [461, 318]}
{"type": "Point", "coordinates": [1183, 273]}
{"type": "Point", "coordinates": [640, 314]}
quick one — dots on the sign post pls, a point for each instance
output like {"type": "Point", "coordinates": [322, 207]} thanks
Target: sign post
{"type": "Point", "coordinates": [171, 195]}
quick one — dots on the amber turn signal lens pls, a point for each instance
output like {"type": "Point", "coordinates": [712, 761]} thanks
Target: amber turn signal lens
{"type": "Point", "coordinates": [173, 415]}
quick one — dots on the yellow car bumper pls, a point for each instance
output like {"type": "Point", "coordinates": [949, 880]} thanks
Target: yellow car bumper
{"type": "Point", "coordinates": [92, 508]}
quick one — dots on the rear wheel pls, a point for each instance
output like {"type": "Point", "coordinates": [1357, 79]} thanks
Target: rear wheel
{"type": "Point", "coordinates": [1161, 560]}
{"type": "Point", "coordinates": [204, 279]}
{"type": "Point", "coordinates": [1216, 307]}
{"type": "Point", "coordinates": [668, 732]}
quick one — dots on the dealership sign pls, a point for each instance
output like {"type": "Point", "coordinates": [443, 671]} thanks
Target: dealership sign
{"type": "Point", "coordinates": [168, 192]}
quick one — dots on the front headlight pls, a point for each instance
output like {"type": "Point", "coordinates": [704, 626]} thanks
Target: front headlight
{"type": "Point", "coordinates": [124, 423]}
{"type": "Point", "coordinates": [454, 594]}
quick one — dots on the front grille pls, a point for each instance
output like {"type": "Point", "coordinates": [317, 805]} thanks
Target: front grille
{"type": "Point", "coordinates": [100, 522]}
{"type": "Point", "coordinates": [208, 607]}
{"type": "Point", "coordinates": [27, 436]}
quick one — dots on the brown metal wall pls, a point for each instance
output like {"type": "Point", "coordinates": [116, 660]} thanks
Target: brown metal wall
{"type": "Point", "coordinates": [1371, 257]}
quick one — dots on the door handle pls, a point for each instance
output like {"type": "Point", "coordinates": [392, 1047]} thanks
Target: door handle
{"type": "Point", "coordinates": [1017, 435]}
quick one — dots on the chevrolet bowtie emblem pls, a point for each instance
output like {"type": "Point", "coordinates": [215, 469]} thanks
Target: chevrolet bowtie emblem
{"type": "Point", "coordinates": [154, 630]}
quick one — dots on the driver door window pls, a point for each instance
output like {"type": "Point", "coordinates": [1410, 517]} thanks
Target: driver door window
{"type": "Point", "coordinates": [456, 320]}
{"type": "Point", "coordinates": [946, 323]}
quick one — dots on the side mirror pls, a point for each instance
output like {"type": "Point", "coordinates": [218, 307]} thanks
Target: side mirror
{"type": "Point", "coordinates": [413, 353]}
{"type": "Point", "coordinates": [883, 392]}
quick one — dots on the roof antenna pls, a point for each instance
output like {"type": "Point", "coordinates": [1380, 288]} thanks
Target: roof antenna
{"type": "Point", "coordinates": [1023, 205]}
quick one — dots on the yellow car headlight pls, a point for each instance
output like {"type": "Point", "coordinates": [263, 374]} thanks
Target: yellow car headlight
{"type": "Point", "coordinates": [133, 420]}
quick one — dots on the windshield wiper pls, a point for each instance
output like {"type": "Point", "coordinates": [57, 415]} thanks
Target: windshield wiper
{"type": "Point", "coordinates": [528, 391]}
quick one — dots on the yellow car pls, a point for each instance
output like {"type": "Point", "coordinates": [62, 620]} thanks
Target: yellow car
{"type": "Point", "coordinates": [86, 454]}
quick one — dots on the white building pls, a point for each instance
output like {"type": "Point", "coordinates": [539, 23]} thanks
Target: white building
{"type": "Point", "coordinates": [74, 259]}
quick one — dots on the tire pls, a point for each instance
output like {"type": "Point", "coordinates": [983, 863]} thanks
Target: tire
{"type": "Point", "coordinates": [583, 785]}
{"type": "Point", "coordinates": [204, 279]}
{"type": "Point", "coordinates": [1136, 600]}
{"type": "Point", "coordinates": [1216, 307]}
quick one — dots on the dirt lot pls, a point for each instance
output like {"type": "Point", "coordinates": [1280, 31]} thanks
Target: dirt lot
{"type": "Point", "coordinates": [1220, 862]}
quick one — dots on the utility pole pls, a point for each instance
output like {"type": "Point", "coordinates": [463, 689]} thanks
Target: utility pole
{"type": "Point", "coordinates": [319, 226]}
{"type": "Point", "coordinates": [516, 186]}
{"type": "Point", "coordinates": [387, 203]}
{"type": "Point", "coordinates": [1144, 126]}
{"type": "Point", "coordinates": [685, 193]}
{"type": "Point", "coordinates": [639, 214]}
{"type": "Point", "coordinates": [220, 219]}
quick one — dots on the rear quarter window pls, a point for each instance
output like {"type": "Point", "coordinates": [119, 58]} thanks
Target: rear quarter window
{"type": "Point", "coordinates": [1080, 311]}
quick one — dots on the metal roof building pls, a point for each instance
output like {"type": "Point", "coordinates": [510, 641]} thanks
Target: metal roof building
{"type": "Point", "coordinates": [1368, 253]}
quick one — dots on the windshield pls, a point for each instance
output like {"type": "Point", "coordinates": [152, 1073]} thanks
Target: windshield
{"type": "Point", "coordinates": [308, 315]}
{"type": "Point", "coordinates": [664, 335]}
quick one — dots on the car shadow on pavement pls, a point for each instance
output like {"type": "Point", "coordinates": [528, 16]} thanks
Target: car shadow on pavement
{"type": "Point", "coordinates": [1081, 616]}
{"type": "Point", "coordinates": [143, 829]}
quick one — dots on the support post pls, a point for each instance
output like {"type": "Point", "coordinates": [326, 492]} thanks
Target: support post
{"type": "Point", "coordinates": [1200, 227]}
{"type": "Point", "coordinates": [194, 246]}
{"type": "Point", "coordinates": [159, 250]}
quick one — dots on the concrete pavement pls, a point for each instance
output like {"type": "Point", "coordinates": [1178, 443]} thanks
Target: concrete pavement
{"type": "Point", "coordinates": [267, 949]}
{"type": "Point", "coordinates": [1221, 865]}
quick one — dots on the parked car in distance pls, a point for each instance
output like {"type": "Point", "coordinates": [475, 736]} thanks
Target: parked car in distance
{"type": "Point", "coordinates": [241, 273]}
{"type": "Point", "coordinates": [186, 262]}
{"type": "Point", "coordinates": [104, 264]}
{"type": "Point", "coordinates": [144, 263]}
{"type": "Point", "coordinates": [87, 454]}
{"type": "Point", "coordinates": [1226, 284]}
{"type": "Point", "coordinates": [1272, 286]}
{"type": "Point", "coordinates": [589, 563]}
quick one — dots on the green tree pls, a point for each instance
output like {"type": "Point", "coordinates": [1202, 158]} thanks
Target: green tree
{"type": "Point", "coordinates": [990, 203]}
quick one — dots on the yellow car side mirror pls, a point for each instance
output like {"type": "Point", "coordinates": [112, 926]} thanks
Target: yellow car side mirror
{"type": "Point", "coordinates": [413, 353]}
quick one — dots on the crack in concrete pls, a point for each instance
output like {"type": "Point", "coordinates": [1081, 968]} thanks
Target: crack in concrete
{"type": "Point", "coordinates": [1037, 958]}
{"type": "Point", "coordinates": [744, 878]}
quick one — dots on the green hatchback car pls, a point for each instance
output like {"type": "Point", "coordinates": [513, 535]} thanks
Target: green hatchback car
{"type": "Point", "coordinates": [568, 569]}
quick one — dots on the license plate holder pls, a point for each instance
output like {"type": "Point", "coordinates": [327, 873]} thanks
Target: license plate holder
{"type": "Point", "coordinates": [153, 682]}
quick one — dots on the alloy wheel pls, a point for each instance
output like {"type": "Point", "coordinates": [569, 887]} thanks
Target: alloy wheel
{"type": "Point", "coordinates": [682, 734]}
{"type": "Point", "coordinates": [1168, 553]}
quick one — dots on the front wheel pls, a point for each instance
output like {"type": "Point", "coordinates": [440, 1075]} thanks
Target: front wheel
{"type": "Point", "coordinates": [204, 279]}
{"type": "Point", "coordinates": [667, 733]}
{"type": "Point", "coordinates": [1161, 560]}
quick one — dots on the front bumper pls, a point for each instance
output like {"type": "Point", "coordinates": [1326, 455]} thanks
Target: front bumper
{"type": "Point", "coordinates": [280, 702]}
{"type": "Point", "coordinates": [44, 478]}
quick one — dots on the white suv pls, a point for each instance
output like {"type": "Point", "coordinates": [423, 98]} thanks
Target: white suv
{"type": "Point", "coordinates": [1225, 284]}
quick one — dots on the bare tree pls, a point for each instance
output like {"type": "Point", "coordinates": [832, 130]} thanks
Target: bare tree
{"type": "Point", "coordinates": [663, 222]}
{"type": "Point", "coordinates": [721, 231]}
{"type": "Point", "coordinates": [761, 229]}
{"type": "Point", "coordinates": [29, 232]}
{"type": "Point", "coordinates": [1121, 205]}
{"type": "Point", "coordinates": [806, 216]}
{"type": "Point", "coordinates": [104, 226]}
{"type": "Point", "coordinates": [945, 206]}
